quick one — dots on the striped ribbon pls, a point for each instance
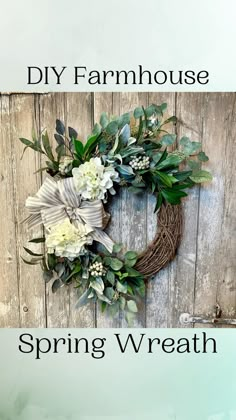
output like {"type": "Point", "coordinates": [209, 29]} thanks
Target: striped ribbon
{"type": "Point", "coordinates": [56, 201]}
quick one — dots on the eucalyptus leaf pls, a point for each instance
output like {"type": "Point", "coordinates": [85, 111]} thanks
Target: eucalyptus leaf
{"type": "Point", "coordinates": [116, 264]}
{"type": "Point", "coordinates": [201, 176]}
{"type": "Point", "coordinates": [131, 263]}
{"type": "Point", "coordinates": [122, 302]}
{"type": "Point", "coordinates": [109, 293]}
{"type": "Point", "coordinates": [131, 305]}
{"type": "Point", "coordinates": [202, 157]}
{"type": "Point", "coordinates": [132, 272]}
{"type": "Point", "coordinates": [112, 128]}
{"type": "Point", "coordinates": [138, 112]}
{"type": "Point", "coordinates": [97, 285]}
{"type": "Point", "coordinates": [130, 255]}
{"type": "Point", "coordinates": [193, 164]}
{"type": "Point", "coordinates": [96, 129]}
{"type": "Point", "coordinates": [103, 298]}
{"type": "Point", "coordinates": [110, 276]}
{"type": "Point", "coordinates": [83, 299]}
{"type": "Point", "coordinates": [123, 120]}
{"type": "Point", "coordinates": [121, 287]}
{"type": "Point", "coordinates": [130, 317]}
{"type": "Point", "coordinates": [104, 120]}
{"type": "Point", "coordinates": [117, 248]}
{"type": "Point", "coordinates": [168, 139]}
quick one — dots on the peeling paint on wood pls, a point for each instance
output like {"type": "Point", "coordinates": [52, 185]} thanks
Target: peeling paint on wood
{"type": "Point", "coordinates": [203, 273]}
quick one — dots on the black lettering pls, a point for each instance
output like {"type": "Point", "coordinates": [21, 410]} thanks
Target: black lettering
{"type": "Point", "coordinates": [58, 75]}
{"type": "Point", "coordinates": [22, 336]}
{"type": "Point", "coordinates": [77, 75]}
{"type": "Point", "coordinates": [30, 75]}
{"type": "Point", "coordinates": [168, 342]}
{"type": "Point", "coordinates": [189, 74]}
{"type": "Point", "coordinates": [131, 339]}
{"type": "Point", "coordinates": [156, 79]}
{"type": "Point", "coordinates": [207, 340]}
{"type": "Point", "coordinates": [200, 76]}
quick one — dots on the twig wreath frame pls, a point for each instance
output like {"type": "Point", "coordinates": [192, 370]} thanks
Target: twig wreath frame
{"type": "Point", "coordinates": [130, 151]}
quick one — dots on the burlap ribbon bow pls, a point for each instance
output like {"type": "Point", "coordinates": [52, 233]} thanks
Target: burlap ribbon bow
{"type": "Point", "coordinates": [57, 200]}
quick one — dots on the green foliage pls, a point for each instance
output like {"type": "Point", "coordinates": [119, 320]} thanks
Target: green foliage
{"type": "Point", "coordinates": [201, 176]}
{"type": "Point", "coordinates": [141, 136]}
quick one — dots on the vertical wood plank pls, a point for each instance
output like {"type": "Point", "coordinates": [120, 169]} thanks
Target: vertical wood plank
{"type": "Point", "coordinates": [133, 207]}
{"type": "Point", "coordinates": [9, 298]}
{"type": "Point", "coordinates": [215, 274]}
{"type": "Point", "coordinates": [203, 272]}
{"type": "Point", "coordinates": [24, 119]}
{"type": "Point", "coordinates": [105, 102]}
{"type": "Point", "coordinates": [157, 299]}
{"type": "Point", "coordinates": [52, 106]}
{"type": "Point", "coordinates": [79, 115]}
{"type": "Point", "coordinates": [190, 112]}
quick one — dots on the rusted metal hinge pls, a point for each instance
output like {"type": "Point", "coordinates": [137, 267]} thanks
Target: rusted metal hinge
{"type": "Point", "coordinates": [186, 318]}
{"type": "Point", "coordinates": [192, 319]}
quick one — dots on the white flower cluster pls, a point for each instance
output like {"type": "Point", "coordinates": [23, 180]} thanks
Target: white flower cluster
{"type": "Point", "coordinates": [65, 165]}
{"type": "Point", "coordinates": [92, 179]}
{"type": "Point", "coordinates": [67, 240]}
{"type": "Point", "coordinates": [141, 162]}
{"type": "Point", "coordinates": [97, 270]}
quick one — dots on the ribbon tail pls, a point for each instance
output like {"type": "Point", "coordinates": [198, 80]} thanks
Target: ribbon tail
{"type": "Point", "coordinates": [93, 213]}
{"type": "Point", "coordinates": [100, 236]}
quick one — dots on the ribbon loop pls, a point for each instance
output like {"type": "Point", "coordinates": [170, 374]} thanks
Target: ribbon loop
{"type": "Point", "coordinates": [56, 201]}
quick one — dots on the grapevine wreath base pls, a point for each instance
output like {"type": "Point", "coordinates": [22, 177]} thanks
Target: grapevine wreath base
{"type": "Point", "coordinates": [163, 247]}
{"type": "Point", "coordinates": [133, 151]}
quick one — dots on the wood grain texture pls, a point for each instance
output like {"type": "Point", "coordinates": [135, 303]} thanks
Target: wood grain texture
{"type": "Point", "coordinates": [216, 268]}
{"type": "Point", "coordinates": [24, 119]}
{"type": "Point", "coordinates": [9, 293]}
{"type": "Point", "coordinates": [79, 111]}
{"type": "Point", "coordinates": [158, 290]}
{"type": "Point", "coordinates": [51, 107]}
{"type": "Point", "coordinates": [203, 272]}
{"type": "Point", "coordinates": [189, 109]}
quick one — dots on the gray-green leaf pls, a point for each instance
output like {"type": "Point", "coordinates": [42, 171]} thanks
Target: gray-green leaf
{"type": "Point", "coordinates": [201, 176]}
{"type": "Point", "coordinates": [121, 287]}
{"type": "Point", "coordinates": [116, 264]}
{"type": "Point", "coordinates": [131, 304]}
{"type": "Point", "coordinates": [168, 139]}
{"type": "Point", "coordinates": [202, 157]}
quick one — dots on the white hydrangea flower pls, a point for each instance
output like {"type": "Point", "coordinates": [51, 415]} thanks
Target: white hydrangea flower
{"type": "Point", "coordinates": [92, 179]}
{"type": "Point", "coordinates": [68, 240]}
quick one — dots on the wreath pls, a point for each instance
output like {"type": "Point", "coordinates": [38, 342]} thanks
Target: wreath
{"type": "Point", "coordinates": [130, 151]}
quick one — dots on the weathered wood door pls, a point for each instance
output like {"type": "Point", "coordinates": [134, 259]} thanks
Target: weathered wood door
{"type": "Point", "coordinates": [203, 273]}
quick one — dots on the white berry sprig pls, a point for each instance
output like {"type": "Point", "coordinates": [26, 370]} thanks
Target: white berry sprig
{"type": "Point", "coordinates": [97, 270]}
{"type": "Point", "coordinates": [141, 162]}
